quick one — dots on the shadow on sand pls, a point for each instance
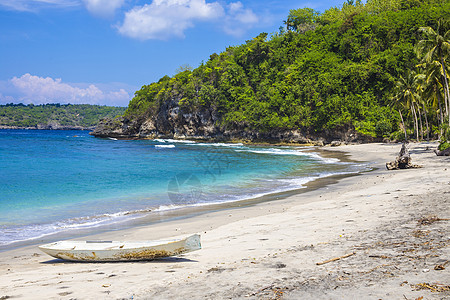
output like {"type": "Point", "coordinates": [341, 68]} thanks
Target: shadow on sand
{"type": "Point", "coordinates": [155, 261]}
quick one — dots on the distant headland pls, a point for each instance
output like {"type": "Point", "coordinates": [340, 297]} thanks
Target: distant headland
{"type": "Point", "coordinates": [55, 116]}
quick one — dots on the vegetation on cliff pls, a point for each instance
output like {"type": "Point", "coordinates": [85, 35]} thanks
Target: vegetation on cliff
{"type": "Point", "coordinates": [54, 116]}
{"type": "Point", "coordinates": [344, 68]}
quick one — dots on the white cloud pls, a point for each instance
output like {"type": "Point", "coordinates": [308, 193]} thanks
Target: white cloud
{"type": "Point", "coordinates": [103, 8]}
{"type": "Point", "coordinates": [6, 99]}
{"type": "Point", "coordinates": [163, 19]}
{"type": "Point", "coordinates": [32, 5]}
{"type": "Point", "coordinates": [239, 19]}
{"type": "Point", "coordinates": [39, 90]}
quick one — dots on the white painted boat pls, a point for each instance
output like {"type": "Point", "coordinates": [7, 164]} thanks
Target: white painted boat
{"type": "Point", "coordinates": [102, 251]}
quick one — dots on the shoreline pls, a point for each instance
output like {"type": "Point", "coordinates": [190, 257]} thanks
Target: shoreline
{"type": "Point", "coordinates": [272, 248]}
{"type": "Point", "coordinates": [186, 212]}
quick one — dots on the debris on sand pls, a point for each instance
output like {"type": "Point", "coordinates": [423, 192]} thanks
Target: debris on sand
{"type": "Point", "coordinates": [441, 266]}
{"type": "Point", "coordinates": [403, 160]}
{"type": "Point", "coordinates": [437, 288]}
{"type": "Point", "coordinates": [336, 258]}
{"type": "Point", "coordinates": [430, 220]}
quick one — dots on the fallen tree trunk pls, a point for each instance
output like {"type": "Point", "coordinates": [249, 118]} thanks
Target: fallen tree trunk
{"type": "Point", "coordinates": [445, 152]}
{"type": "Point", "coordinates": [403, 160]}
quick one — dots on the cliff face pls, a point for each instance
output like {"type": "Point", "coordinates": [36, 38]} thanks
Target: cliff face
{"type": "Point", "coordinates": [173, 122]}
{"type": "Point", "coordinates": [170, 122]}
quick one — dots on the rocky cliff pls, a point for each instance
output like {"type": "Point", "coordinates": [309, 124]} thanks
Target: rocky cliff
{"type": "Point", "coordinates": [172, 121]}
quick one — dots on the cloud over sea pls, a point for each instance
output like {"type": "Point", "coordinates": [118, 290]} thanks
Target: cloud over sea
{"type": "Point", "coordinates": [41, 90]}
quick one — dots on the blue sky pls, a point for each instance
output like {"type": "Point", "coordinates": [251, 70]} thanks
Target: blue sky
{"type": "Point", "coordinates": [102, 51]}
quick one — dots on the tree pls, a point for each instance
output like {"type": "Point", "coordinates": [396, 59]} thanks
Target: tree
{"type": "Point", "coordinates": [302, 19]}
{"type": "Point", "coordinates": [435, 46]}
{"type": "Point", "coordinates": [378, 6]}
{"type": "Point", "coordinates": [432, 88]}
{"type": "Point", "coordinates": [405, 97]}
{"type": "Point", "coordinates": [183, 68]}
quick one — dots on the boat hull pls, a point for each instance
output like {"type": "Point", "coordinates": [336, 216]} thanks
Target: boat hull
{"type": "Point", "coordinates": [111, 251]}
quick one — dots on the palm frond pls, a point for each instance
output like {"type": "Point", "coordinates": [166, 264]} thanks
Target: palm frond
{"type": "Point", "coordinates": [427, 31]}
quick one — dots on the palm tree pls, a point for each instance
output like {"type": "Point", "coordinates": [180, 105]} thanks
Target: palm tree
{"type": "Point", "coordinates": [398, 104]}
{"type": "Point", "coordinates": [406, 97]}
{"type": "Point", "coordinates": [421, 85]}
{"type": "Point", "coordinates": [435, 46]}
{"type": "Point", "coordinates": [432, 88]}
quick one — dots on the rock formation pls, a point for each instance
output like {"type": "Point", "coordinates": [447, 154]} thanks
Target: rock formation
{"type": "Point", "coordinates": [172, 121]}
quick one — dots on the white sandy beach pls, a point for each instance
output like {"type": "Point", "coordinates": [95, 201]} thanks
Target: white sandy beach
{"type": "Point", "coordinates": [270, 250]}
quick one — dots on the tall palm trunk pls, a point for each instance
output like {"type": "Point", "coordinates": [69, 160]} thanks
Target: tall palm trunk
{"type": "Point", "coordinates": [446, 90]}
{"type": "Point", "coordinates": [420, 122]}
{"type": "Point", "coordinates": [426, 122]}
{"type": "Point", "coordinates": [403, 124]}
{"type": "Point", "coordinates": [416, 124]}
{"type": "Point", "coordinates": [446, 101]}
{"type": "Point", "coordinates": [439, 104]}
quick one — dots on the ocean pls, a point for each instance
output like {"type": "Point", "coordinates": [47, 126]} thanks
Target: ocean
{"type": "Point", "coordinates": [63, 181]}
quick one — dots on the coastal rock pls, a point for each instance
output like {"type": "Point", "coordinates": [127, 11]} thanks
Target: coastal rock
{"type": "Point", "coordinates": [335, 143]}
{"type": "Point", "coordinates": [121, 127]}
{"type": "Point", "coordinates": [147, 128]}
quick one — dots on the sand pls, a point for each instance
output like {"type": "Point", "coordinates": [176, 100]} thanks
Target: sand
{"type": "Point", "coordinates": [391, 224]}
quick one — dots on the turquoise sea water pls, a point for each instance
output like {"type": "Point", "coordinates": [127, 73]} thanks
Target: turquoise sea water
{"type": "Point", "coordinates": [58, 181]}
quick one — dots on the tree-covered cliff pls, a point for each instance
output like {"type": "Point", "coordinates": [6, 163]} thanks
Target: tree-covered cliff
{"type": "Point", "coordinates": [322, 76]}
{"type": "Point", "coordinates": [55, 116]}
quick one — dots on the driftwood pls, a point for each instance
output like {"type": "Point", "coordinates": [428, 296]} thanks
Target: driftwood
{"type": "Point", "coordinates": [445, 152]}
{"type": "Point", "coordinates": [439, 288]}
{"type": "Point", "coordinates": [403, 160]}
{"type": "Point", "coordinates": [430, 220]}
{"type": "Point", "coordinates": [336, 258]}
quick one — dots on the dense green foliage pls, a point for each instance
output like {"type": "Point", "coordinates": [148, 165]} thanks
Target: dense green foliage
{"type": "Point", "coordinates": [324, 71]}
{"type": "Point", "coordinates": [67, 115]}
{"type": "Point", "coordinates": [443, 146]}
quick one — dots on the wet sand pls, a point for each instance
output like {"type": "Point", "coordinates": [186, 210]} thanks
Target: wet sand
{"type": "Point", "coordinates": [391, 225]}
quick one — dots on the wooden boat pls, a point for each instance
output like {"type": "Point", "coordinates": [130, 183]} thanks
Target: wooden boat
{"type": "Point", "coordinates": [103, 251]}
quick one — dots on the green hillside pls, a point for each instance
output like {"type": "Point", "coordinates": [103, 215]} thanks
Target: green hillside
{"type": "Point", "coordinates": [55, 116]}
{"type": "Point", "coordinates": [320, 73]}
